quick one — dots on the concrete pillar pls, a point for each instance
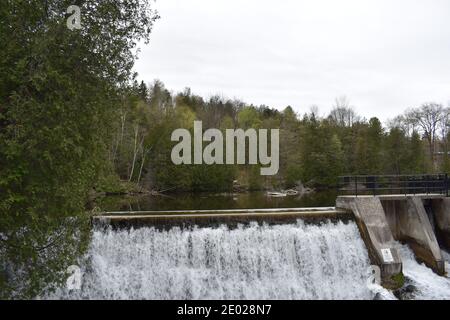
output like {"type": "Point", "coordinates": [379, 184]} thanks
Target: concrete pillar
{"type": "Point", "coordinates": [377, 236]}
{"type": "Point", "coordinates": [441, 213]}
{"type": "Point", "coordinates": [409, 224]}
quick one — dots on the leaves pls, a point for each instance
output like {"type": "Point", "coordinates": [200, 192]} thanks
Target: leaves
{"type": "Point", "coordinates": [59, 92]}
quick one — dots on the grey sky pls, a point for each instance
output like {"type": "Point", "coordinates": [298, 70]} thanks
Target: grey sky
{"type": "Point", "coordinates": [384, 55]}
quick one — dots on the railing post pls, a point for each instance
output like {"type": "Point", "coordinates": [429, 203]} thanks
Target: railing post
{"type": "Point", "coordinates": [356, 185]}
{"type": "Point", "coordinates": [405, 188]}
{"type": "Point", "coordinates": [374, 186]}
{"type": "Point", "coordinates": [338, 185]}
{"type": "Point", "coordinates": [446, 184]}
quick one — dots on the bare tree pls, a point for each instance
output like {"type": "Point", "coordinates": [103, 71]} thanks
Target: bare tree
{"type": "Point", "coordinates": [314, 111]}
{"type": "Point", "coordinates": [144, 153]}
{"type": "Point", "coordinates": [428, 118]}
{"type": "Point", "coordinates": [135, 150]}
{"type": "Point", "coordinates": [401, 122]}
{"type": "Point", "coordinates": [444, 131]}
{"type": "Point", "coordinates": [119, 140]}
{"type": "Point", "coordinates": [342, 113]}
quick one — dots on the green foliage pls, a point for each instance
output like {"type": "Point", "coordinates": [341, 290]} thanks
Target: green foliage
{"type": "Point", "coordinates": [111, 184]}
{"type": "Point", "coordinates": [248, 117]}
{"type": "Point", "coordinates": [313, 150]}
{"type": "Point", "coordinates": [59, 91]}
{"type": "Point", "coordinates": [397, 281]}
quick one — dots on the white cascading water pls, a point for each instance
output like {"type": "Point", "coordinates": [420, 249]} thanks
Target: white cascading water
{"type": "Point", "coordinates": [428, 285]}
{"type": "Point", "coordinates": [296, 261]}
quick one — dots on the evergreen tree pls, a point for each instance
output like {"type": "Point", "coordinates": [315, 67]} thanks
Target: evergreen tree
{"type": "Point", "coordinates": [58, 91]}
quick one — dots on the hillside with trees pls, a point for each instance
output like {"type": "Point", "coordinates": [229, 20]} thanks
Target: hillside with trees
{"type": "Point", "coordinates": [314, 150]}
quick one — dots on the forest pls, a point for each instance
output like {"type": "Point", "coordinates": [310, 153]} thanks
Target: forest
{"type": "Point", "coordinates": [314, 149]}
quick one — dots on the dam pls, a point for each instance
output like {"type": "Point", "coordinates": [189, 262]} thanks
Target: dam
{"type": "Point", "coordinates": [293, 261]}
{"type": "Point", "coordinates": [281, 253]}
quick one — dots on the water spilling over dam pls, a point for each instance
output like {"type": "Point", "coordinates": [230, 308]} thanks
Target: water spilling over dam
{"type": "Point", "coordinates": [294, 261]}
{"type": "Point", "coordinates": [271, 253]}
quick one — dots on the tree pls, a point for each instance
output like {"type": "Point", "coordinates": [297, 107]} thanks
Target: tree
{"type": "Point", "coordinates": [416, 159]}
{"type": "Point", "coordinates": [428, 118]}
{"type": "Point", "coordinates": [335, 158]}
{"type": "Point", "coordinates": [375, 135]}
{"type": "Point", "coordinates": [397, 151]}
{"type": "Point", "coordinates": [248, 118]}
{"type": "Point", "coordinates": [444, 140]}
{"type": "Point", "coordinates": [290, 151]}
{"type": "Point", "coordinates": [342, 113]}
{"type": "Point", "coordinates": [59, 90]}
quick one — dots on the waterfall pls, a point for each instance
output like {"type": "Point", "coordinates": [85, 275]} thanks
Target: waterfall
{"type": "Point", "coordinates": [427, 284]}
{"type": "Point", "coordinates": [297, 261]}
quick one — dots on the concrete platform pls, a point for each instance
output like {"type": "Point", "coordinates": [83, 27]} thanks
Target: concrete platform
{"type": "Point", "coordinates": [222, 211]}
{"type": "Point", "coordinates": [423, 196]}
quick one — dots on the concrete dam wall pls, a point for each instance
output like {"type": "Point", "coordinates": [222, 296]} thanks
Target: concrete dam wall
{"type": "Point", "coordinates": [383, 220]}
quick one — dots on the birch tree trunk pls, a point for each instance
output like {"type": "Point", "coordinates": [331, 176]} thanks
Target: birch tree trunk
{"type": "Point", "coordinates": [136, 132]}
{"type": "Point", "coordinates": [144, 155]}
{"type": "Point", "coordinates": [123, 118]}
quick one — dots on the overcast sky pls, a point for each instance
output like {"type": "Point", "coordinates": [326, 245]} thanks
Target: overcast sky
{"type": "Point", "coordinates": [384, 55]}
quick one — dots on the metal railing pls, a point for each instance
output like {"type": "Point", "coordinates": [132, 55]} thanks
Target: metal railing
{"type": "Point", "coordinates": [394, 184]}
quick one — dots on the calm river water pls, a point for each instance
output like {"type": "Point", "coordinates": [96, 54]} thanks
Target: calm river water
{"type": "Point", "coordinates": [210, 201]}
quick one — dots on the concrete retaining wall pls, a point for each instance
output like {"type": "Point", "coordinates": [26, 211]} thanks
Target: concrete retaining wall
{"type": "Point", "coordinates": [376, 233]}
{"type": "Point", "coordinates": [441, 212]}
{"type": "Point", "coordinates": [409, 223]}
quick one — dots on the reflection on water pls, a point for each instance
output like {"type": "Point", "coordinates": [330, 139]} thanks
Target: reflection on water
{"type": "Point", "coordinates": [208, 201]}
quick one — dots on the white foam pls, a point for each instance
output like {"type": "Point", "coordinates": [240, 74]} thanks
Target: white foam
{"type": "Point", "coordinates": [255, 262]}
{"type": "Point", "coordinates": [429, 285]}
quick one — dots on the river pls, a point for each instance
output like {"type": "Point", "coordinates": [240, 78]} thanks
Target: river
{"type": "Point", "coordinates": [215, 201]}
